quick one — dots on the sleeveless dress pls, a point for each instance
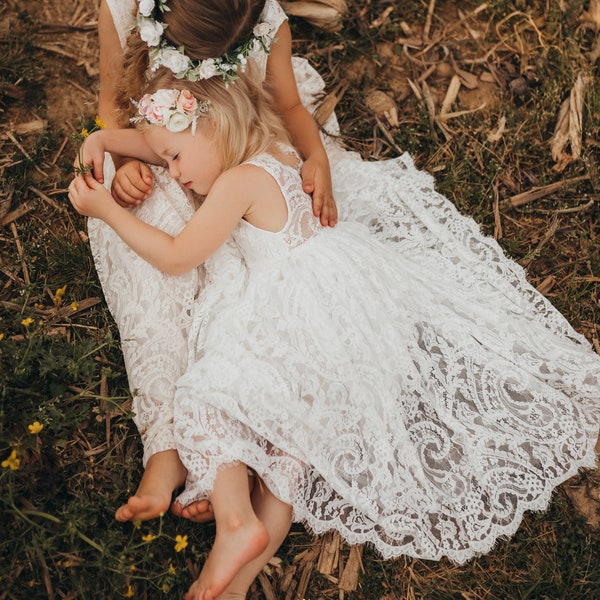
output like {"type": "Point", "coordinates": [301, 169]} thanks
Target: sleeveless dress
{"type": "Point", "coordinates": [378, 394]}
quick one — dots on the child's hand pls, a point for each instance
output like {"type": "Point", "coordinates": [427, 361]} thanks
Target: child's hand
{"type": "Point", "coordinates": [316, 180]}
{"type": "Point", "coordinates": [132, 183]}
{"type": "Point", "coordinates": [91, 154]}
{"type": "Point", "coordinates": [89, 197]}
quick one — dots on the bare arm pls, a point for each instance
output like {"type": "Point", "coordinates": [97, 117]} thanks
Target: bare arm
{"type": "Point", "coordinates": [129, 142]}
{"type": "Point", "coordinates": [133, 179]}
{"type": "Point", "coordinates": [230, 199]}
{"type": "Point", "coordinates": [301, 126]}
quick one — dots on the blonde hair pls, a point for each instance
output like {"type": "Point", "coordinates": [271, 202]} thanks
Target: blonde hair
{"type": "Point", "coordinates": [242, 113]}
{"type": "Point", "coordinates": [205, 28]}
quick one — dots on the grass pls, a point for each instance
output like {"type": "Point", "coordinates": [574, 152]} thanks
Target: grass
{"type": "Point", "coordinates": [60, 361]}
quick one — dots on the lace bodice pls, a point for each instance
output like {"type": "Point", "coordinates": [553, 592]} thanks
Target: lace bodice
{"type": "Point", "coordinates": [258, 245]}
{"type": "Point", "coordinates": [123, 14]}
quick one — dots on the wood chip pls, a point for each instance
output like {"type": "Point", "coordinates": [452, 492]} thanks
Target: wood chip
{"type": "Point", "coordinates": [349, 579]}
{"type": "Point", "coordinates": [330, 548]}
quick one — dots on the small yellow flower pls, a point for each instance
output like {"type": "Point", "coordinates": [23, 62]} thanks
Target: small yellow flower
{"type": "Point", "coordinates": [35, 428]}
{"type": "Point", "coordinates": [99, 122]}
{"type": "Point", "coordinates": [58, 296]}
{"type": "Point", "coordinates": [129, 593]}
{"type": "Point", "coordinates": [27, 322]}
{"type": "Point", "coordinates": [1, 336]}
{"type": "Point", "coordinates": [13, 462]}
{"type": "Point", "coordinates": [172, 569]}
{"type": "Point", "coordinates": [74, 306]}
{"type": "Point", "coordinates": [165, 588]}
{"type": "Point", "coordinates": [85, 133]}
{"type": "Point", "coordinates": [148, 537]}
{"type": "Point", "coordinates": [181, 542]}
{"type": "Point", "coordinates": [38, 306]}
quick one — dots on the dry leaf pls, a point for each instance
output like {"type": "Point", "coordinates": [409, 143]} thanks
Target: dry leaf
{"type": "Point", "coordinates": [327, 106]}
{"type": "Point", "coordinates": [382, 104]}
{"type": "Point", "coordinates": [495, 136]}
{"type": "Point", "coordinates": [568, 129]}
{"type": "Point", "coordinates": [591, 17]}
{"type": "Point", "coordinates": [326, 14]}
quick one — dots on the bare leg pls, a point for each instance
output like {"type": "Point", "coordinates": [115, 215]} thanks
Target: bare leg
{"type": "Point", "coordinates": [240, 537]}
{"type": "Point", "coordinates": [201, 511]}
{"type": "Point", "coordinates": [276, 516]}
{"type": "Point", "coordinates": [164, 473]}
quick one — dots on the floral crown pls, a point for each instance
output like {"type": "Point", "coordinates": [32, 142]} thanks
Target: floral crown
{"type": "Point", "coordinates": [174, 109]}
{"type": "Point", "coordinates": [163, 54]}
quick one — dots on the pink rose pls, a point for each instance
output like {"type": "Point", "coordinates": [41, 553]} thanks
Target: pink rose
{"type": "Point", "coordinates": [155, 114]}
{"type": "Point", "coordinates": [187, 102]}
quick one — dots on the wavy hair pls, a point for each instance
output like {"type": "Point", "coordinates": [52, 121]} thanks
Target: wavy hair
{"type": "Point", "coordinates": [205, 28]}
{"type": "Point", "coordinates": [244, 118]}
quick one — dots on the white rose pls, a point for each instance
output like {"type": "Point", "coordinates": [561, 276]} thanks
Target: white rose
{"type": "Point", "coordinates": [165, 98]}
{"type": "Point", "coordinates": [178, 121]}
{"type": "Point", "coordinates": [150, 31]}
{"type": "Point", "coordinates": [174, 60]}
{"type": "Point", "coordinates": [262, 29]}
{"type": "Point", "coordinates": [207, 69]}
{"type": "Point", "coordinates": [146, 7]}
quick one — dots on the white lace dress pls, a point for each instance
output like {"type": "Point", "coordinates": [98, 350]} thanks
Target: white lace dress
{"type": "Point", "coordinates": [380, 393]}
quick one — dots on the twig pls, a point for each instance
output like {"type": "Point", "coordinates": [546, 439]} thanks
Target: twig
{"type": "Point", "coordinates": [388, 136]}
{"type": "Point", "coordinates": [46, 198]}
{"type": "Point", "coordinates": [497, 221]}
{"type": "Point", "coordinates": [14, 140]}
{"type": "Point", "coordinates": [427, 26]}
{"type": "Point", "coordinates": [539, 192]}
{"type": "Point", "coordinates": [13, 215]}
{"type": "Point", "coordinates": [13, 228]}
{"type": "Point", "coordinates": [551, 231]}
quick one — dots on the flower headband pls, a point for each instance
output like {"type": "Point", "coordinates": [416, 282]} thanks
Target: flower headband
{"type": "Point", "coordinates": [163, 54]}
{"type": "Point", "coordinates": [174, 109]}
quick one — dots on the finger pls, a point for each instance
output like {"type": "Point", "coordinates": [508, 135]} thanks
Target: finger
{"type": "Point", "coordinates": [98, 168]}
{"type": "Point", "coordinates": [121, 196]}
{"type": "Point", "coordinates": [146, 173]}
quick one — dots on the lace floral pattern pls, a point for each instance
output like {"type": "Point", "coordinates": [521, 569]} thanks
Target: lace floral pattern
{"type": "Point", "coordinates": [412, 406]}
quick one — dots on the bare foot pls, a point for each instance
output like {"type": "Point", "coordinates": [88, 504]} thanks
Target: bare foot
{"type": "Point", "coordinates": [235, 546]}
{"type": "Point", "coordinates": [144, 506]}
{"type": "Point", "coordinates": [198, 512]}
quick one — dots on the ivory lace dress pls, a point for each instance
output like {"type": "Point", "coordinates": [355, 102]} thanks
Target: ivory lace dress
{"type": "Point", "coordinates": [421, 393]}
{"type": "Point", "coordinates": [378, 392]}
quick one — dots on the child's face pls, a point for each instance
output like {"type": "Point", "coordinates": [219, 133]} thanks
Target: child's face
{"type": "Point", "coordinates": [192, 159]}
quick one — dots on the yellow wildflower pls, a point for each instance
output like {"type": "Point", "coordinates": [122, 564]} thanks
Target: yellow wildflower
{"type": "Point", "coordinates": [74, 306]}
{"type": "Point", "coordinates": [129, 593]}
{"type": "Point", "coordinates": [148, 537]}
{"type": "Point", "coordinates": [181, 542]}
{"type": "Point", "coordinates": [58, 296]}
{"type": "Point", "coordinates": [13, 462]}
{"type": "Point", "coordinates": [165, 588]}
{"type": "Point", "coordinates": [172, 570]}
{"type": "Point", "coordinates": [85, 133]}
{"type": "Point", "coordinates": [38, 306]}
{"type": "Point", "coordinates": [35, 428]}
{"type": "Point", "coordinates": [1, 336]}
{"type": "Point", "coordinates": [27, 322]}
{"type": "Point", "coordinates": [99, 122]}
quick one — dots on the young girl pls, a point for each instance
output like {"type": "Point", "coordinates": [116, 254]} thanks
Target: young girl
{"type": "Point", "coordinates": [368, 388]}
{"type": "Point", "coordinates": [152, 310]}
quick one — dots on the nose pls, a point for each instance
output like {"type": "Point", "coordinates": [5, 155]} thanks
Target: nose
{"type": "Point", "coordinates": [174, 171]}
